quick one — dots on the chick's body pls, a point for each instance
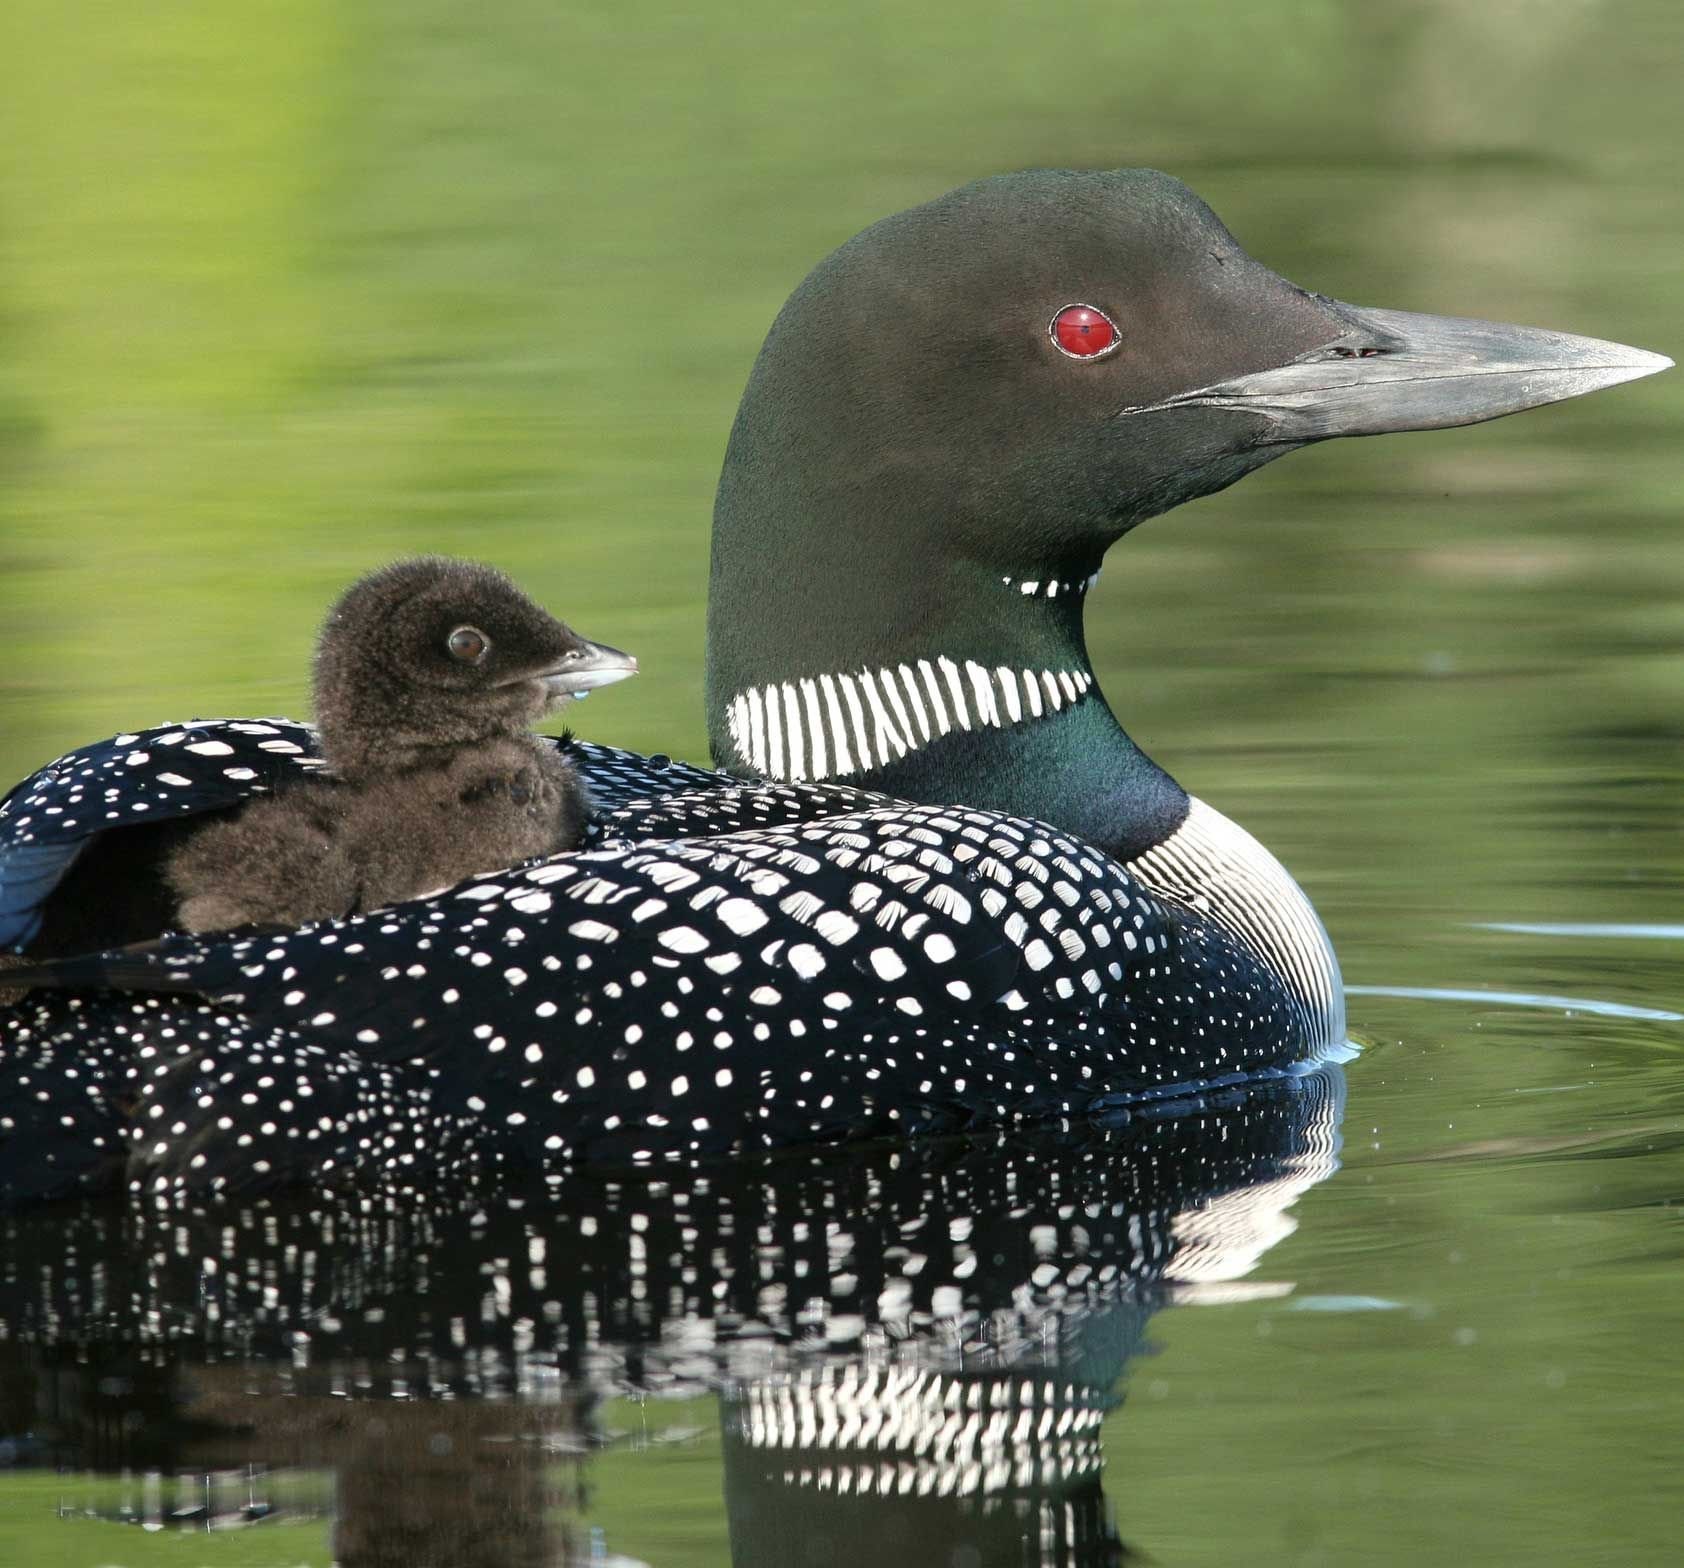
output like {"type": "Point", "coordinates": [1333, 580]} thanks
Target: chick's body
{"type": "Point", "coordinates": [427, 675]}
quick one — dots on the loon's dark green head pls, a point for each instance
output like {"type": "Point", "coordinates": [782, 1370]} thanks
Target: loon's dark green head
{"type": "Point", "coordinates": [934, 452]}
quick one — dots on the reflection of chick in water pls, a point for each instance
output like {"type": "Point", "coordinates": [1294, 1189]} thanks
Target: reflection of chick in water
{"type": "Point", "coordinates": [428, 676]}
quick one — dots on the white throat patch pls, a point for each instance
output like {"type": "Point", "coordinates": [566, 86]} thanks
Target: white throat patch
{"type": "Point", "coordinates": [851, 723]}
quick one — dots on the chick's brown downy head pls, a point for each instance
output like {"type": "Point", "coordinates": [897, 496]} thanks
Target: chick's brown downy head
{"type": "Point", "coordinates": [432, 653]}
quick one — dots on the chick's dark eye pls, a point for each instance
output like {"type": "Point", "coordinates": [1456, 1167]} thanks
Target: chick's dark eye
{"type": "Point", "coordinates": [468, 644]}
{"type": "Point", "coordinates": [1083, 331]}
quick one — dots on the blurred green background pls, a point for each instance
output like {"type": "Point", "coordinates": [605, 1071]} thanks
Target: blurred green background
{"type": "Point", "coordinates": [288, 289]}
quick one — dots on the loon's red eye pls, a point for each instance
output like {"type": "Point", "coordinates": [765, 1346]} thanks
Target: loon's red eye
{"type": "Point", "coordinates": [1083, 332]}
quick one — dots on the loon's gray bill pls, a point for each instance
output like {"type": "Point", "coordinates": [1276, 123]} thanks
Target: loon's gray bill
{"type": "Point", "coordinates": [1399, 370]}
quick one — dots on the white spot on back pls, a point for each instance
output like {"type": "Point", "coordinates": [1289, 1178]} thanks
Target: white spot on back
{"type": "Point", "coordinates": [683, 939]}
{"type": "Point", "coordinates": [742, 915]}
{"type": "Point", "coordinates": [806, 960]}
{"type": "Point", "coordinates": [888, 963]}
{"type": "Point", "coordinates": [836, 927]}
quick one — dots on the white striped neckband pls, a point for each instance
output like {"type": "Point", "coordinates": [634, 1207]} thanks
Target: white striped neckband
{"type": "Point", "coordinates": [830, 726]}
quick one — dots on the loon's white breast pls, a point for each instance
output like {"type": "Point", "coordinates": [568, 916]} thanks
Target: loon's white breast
{"type": "Point", "coordinates": [1217, 869]}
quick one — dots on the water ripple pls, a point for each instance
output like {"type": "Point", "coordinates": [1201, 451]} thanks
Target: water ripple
{"type": "Point", "coordinates": [1562, 1004]}
{"type": "Point", "coordinates": [1647, 933]}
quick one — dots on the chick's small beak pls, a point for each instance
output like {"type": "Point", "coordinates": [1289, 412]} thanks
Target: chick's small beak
{"type": "Point", "coordinates": [585, 667]}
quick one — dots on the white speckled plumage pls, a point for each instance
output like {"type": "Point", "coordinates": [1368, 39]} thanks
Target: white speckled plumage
{"type": "Point", "coordinates": [808, 960]}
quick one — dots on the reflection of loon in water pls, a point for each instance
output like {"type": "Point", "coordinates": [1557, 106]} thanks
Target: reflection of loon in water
{"type": "Point", "coordinates": [916, 1347]}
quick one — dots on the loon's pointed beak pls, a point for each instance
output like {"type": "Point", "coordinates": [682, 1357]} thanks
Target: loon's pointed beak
{"type": "Point", "coordinates": [1396, 370]}
{"type": "Point", "coordinates": [584, 668]}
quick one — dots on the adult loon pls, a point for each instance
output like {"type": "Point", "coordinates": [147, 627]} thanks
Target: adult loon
{"type": "Point", "coordinates": [952, 419]}
{"type": "Point", "coordinates": [427, 674]}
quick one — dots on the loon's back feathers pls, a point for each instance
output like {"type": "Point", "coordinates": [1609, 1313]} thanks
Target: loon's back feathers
{"type": "Point", "coordinates": [837, 962]}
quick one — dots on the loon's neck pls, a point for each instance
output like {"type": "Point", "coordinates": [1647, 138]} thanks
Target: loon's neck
{"type": "Point", "coordinates": [979, 693]}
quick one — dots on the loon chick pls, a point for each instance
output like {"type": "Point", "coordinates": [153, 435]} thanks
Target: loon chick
{"type": "Point", "coordinates": [427, 676]}
{"type": "Point", "coordinates": [951, 421]}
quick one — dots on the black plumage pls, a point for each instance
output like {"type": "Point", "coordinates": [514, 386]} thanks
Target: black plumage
{"type": "Point", "coordinates": [428, 675]}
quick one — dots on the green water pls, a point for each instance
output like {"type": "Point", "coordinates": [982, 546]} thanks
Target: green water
{"type": "Point", "coordinates": [288, 289]}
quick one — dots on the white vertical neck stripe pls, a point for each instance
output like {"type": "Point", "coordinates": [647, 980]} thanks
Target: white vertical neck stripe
{"type": "Point", "coordinates": [815, 727]}
{"type": "Point", "coordinates": [775, 735]}
{"type": "Point", "coordinates": [943, 723]}
{"type": "Point", "coordinates": [950, 673]}
{"type": "Point", "coordinates": [856, 721]}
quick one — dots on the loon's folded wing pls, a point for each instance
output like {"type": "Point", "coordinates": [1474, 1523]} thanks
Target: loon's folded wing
{"type": "Point", "coordinates": [59, 816]}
